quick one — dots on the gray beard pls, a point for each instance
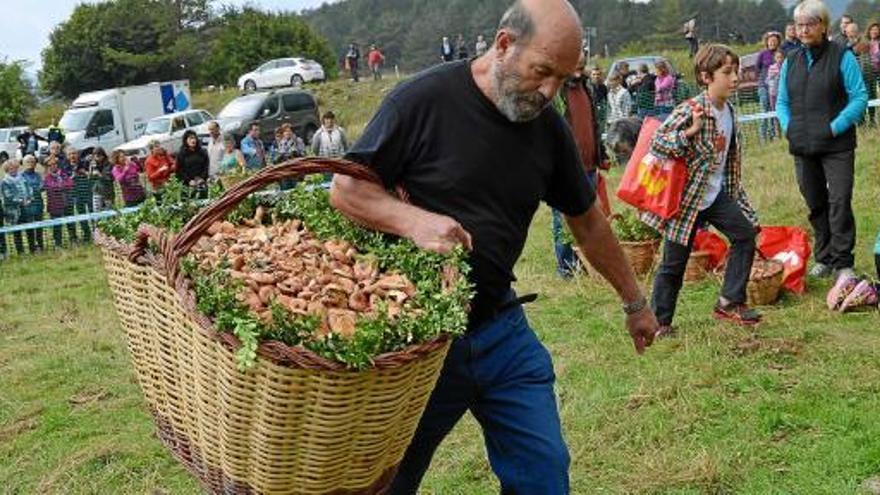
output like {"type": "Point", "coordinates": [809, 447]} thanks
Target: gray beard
{"type": "Point", "coordinates": [515, 105]}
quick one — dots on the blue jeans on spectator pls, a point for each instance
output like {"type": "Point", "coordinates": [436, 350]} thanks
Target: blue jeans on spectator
{"type": "Point", "coordinates": [504, 376]}
{"type": "Point", "coordinates": [34, 213]}
{"type": "Point", "coordinates": [766, 127]}
{"type": "Point", "coordinates": [566, 260]}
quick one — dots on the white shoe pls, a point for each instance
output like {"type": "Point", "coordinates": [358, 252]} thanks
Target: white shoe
{"type": "Point", "coordinates": [820, 270]}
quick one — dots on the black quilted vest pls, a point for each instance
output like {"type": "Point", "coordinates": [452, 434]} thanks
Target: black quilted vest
{"type": "Point", "coordinates": [816, 96]}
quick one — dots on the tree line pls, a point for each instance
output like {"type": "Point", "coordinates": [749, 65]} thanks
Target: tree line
{"type": "Point", "coordinates": [125, 42]}
{"type": "Point", "coordinates": [409, 31]}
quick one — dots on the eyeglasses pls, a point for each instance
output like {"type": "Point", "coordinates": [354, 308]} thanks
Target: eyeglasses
{"type": "Point", "coordinates": [807, 26]}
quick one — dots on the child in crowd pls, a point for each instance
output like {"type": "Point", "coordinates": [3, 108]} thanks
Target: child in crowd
{"type": "Point", "coordinates": [15, 196]}
{"type": "Point", "coordinates": [103, 189]}
{"type": "Point", "coordinates": [773, 77]}
{"type": "Point", "coordinates": [702, 131]}
{"type": "Point", "coordinates": [128, 174]}
{"type": "Point", "coordinates": [58, 190]}
{"type": "Point", "coordinates": [33, 211]}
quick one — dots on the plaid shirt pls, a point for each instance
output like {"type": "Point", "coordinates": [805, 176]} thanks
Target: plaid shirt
{"type": "Point", "coordinates": [699, 154]}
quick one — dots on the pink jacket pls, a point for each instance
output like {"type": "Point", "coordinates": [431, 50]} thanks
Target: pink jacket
{"type": "Point", "coordinates": [129, 178]}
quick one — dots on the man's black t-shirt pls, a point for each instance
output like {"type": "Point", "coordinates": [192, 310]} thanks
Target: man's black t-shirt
{"type": "Point", "coordinates": [455, 154]}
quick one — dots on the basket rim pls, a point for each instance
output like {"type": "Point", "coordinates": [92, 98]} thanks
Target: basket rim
{"type": "Point", "coordinates": [650, 242]}
{"type": "Point", "coordinates": [778, 272]}
{"type": "Point", "coordinates": [275, 351]}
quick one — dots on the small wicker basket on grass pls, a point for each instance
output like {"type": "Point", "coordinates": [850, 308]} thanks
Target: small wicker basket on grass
{"type": "Point", "coordinates": [639, 242]}
{"type": "Point", "coordinates": [697, 266]}
{"type": "Point", "coordinates": [642, 257]}
{"type": "Point", "coordinates": [765, 282]}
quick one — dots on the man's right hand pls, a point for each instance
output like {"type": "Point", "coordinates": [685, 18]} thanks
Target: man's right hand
{"type": "Point", "coordinates": [438, 233]}
{"type": "Point", "coordinates": [642, 327]}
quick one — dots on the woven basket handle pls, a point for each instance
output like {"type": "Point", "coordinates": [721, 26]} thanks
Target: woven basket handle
{"type": "Point", "coordinates": [291, 169]}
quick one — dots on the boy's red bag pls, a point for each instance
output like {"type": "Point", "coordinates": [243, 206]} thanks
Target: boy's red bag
{"type": "Point", "coordinates": [651, 183]}
{"type": "Point", "coordinates": [712, 243]}
{"type": "Point", "coordinates": [791, 246]}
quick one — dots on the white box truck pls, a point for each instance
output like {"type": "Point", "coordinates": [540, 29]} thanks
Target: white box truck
{"type": "Point", "coordinates": [111, 117]}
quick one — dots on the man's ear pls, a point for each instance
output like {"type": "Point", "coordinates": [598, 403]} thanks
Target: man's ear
{"type": "Point", "coordinates": [504, 41]}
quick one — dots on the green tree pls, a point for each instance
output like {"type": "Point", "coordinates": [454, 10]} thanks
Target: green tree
{"type": "Point", "coordinates": [16, 98]}
{"type": "Point", "coordinates": [99, 46]}
{"type": "Point", "coordinates": [248, 37]}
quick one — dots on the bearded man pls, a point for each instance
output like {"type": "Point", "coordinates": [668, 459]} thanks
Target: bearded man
{"type": "Point", "coordinates": [477, 147]}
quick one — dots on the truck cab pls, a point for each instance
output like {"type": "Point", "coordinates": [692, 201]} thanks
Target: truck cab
{"type": "Point", "coordinates": [111, 117]}
{"type": "Point", "coordinates": [93, 120]}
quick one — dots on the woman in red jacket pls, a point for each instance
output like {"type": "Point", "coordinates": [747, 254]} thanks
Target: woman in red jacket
{"type": "Point", "coordinates": [159, 166]}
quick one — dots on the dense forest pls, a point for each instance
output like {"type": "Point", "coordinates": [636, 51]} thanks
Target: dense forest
{"type": "Point", "coordinates": [409, 31]}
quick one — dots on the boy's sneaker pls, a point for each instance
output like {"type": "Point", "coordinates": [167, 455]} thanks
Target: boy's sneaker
{"type": "Point", "coordinates": [863, 295]}
{"type": "Point", "coordinates": [820, 270]}
{"type": "Point", "coordinates": [740, 314]}
{"type": "Point", "coordinates": [842, 287]}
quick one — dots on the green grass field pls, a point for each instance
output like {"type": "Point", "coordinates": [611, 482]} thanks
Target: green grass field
{"type": "Point", "coordinates": [790, 407]}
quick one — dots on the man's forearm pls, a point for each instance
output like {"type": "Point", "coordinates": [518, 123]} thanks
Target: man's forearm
{"type": "Point", "coordinates": [369, 204]}
{"type": "Point", "coordinates": [599, 245]}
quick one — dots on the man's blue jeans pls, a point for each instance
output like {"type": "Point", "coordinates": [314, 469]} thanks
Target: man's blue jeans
{"type": "Point", "coordinates": [566, 260]}
{"type": "Point", "coordinates": [504, 376]}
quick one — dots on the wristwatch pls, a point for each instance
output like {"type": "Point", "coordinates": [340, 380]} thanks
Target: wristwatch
{"type": "Point", "coordinates": [634, 307]}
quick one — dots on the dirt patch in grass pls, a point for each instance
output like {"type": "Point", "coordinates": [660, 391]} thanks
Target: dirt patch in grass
{"type": "Point", "coordinates": [68, 313]}
{"type": "Point", "coordinates": [25, 423]}
{"type": "Point", "coordinates": [86, 397]}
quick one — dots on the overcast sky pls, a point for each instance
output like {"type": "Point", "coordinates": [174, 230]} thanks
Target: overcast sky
{"type": "Point", "coordinates": [26, 27]}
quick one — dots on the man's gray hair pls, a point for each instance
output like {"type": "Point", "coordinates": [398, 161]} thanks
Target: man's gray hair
{"type": "Point", "coordinates": [813, 9]}
{"type": "Point", "coordinates": [518, 21]}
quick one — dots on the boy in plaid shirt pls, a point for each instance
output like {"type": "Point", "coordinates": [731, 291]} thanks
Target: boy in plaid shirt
{"type": "Point", "coordinates": [702, 131]}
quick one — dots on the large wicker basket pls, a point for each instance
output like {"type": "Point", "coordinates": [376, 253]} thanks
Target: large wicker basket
{"type": "Point", "coordinates": [295, 423]}
{"type": "Point", "coordinates": [765, 281]}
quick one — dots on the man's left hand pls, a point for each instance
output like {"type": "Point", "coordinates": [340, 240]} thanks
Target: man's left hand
{"type": "Point", "coordinates": [641, 327]}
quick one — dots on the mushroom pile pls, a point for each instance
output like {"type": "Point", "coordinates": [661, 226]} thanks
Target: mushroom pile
{"type": "Point", "coordinates": [285, 263]}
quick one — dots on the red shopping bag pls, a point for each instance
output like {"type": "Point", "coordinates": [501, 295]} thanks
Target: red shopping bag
{"type": "Point", "coordinates": [791, 246]}
{"type": "Point", "coordinates": [711, 243]}
{"type": "Point", "coordinates": [651, 183]}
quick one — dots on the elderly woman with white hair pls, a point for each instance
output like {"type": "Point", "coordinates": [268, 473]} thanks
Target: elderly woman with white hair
{"type": "Point", "coordinates": [15, 196]}
{"type": "Point", "coordinates": [821, 98]}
